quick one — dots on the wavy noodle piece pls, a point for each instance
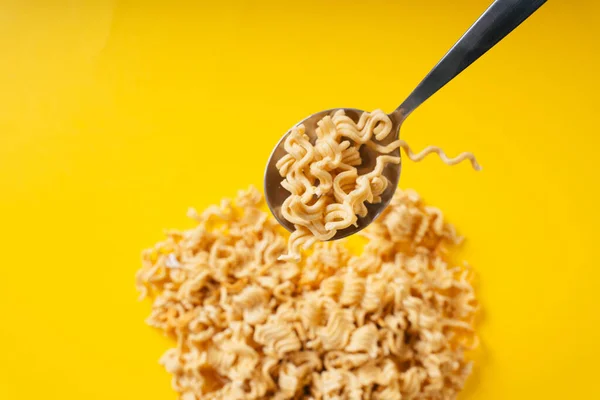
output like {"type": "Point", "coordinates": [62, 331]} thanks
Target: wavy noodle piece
{"type": "Point", "coordinates": [353, 289]}
{"type": "Point", "coordinates": [326, 192]}
{"type": "Point", "coordinates": [364, 339]}
{"type": "Point", "coordinates": [336, 333]}
{"type": "Point", "coordinates": [394, 321]}
{"type": "Point", "coordinates": [437, 150]}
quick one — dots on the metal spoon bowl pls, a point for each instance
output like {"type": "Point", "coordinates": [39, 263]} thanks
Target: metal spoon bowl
{"type": "Point", "coordinates": [276, 194]}
{"type": "Point", "coordinates": [494, 24]}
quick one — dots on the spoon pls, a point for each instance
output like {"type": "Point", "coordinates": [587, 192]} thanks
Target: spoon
{"type": "Point", "coordinates": [501, 17]}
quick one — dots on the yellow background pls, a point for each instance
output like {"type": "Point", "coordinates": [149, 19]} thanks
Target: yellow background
{"type": "Point", "coordinates": [115, 116]}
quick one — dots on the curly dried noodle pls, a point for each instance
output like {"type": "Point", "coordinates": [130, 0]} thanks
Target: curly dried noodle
{"type": "Point", "coordinates": [326, 192]}
{"type": "Point", "coordinates": [391, 323]}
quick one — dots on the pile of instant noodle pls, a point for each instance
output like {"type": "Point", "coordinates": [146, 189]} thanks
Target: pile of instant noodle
{"type": "Point", "coordinates": [390, 323]}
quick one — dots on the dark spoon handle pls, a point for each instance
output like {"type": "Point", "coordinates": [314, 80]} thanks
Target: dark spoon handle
{"type": "Point", "coordinates": [496, 22]}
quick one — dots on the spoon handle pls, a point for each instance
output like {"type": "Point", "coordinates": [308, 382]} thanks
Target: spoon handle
{"type": "Point", "coordinates": [496, 22]}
